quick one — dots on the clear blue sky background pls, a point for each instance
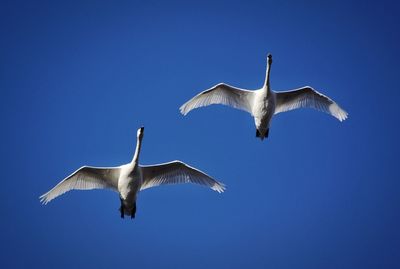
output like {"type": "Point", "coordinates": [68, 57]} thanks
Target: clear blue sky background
{"type": "Point", "coordinates": [78, 78]}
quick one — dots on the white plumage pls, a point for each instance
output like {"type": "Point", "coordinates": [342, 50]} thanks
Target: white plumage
{"type": "Point", "coordinates": [131, 178]}
{"type": "Point", "coordinates": [263, 103]}
{"type": "Point", "coordinates": [85, 178]}
{"type": "Point", "coordinates": [221, 94]}
{"type": "Point", "coordinates": [307, 97]}
{"type": "Point", "coordinates": [176, 172]}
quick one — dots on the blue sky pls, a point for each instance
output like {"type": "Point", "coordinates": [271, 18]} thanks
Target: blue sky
{"type": "Point", "coordinates": [78, 78]}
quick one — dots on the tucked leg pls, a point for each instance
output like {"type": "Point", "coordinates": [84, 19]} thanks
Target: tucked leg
{"type": "Point", "coordinates": [266, 134]}
{"type": "Point", "coordinates": [257, 133]}
{"type": "Point", "coordinates": [121, 209]}
{"type": "Point", "coordinates": [133, 211]}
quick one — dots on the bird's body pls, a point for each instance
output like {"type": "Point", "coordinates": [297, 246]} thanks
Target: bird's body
{"type": "Point", "coordinates": [129, 183]}
{"type": "Point", "coordinates": [129, 179]}
{"type": "Point", "coordinates": [263, 110]}
{"type": "Point", "coordinates": [264, 103]}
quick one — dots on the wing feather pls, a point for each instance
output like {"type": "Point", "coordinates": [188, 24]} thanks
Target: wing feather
{"type": "Point", "coordinates": [177, 172]}
{"type": "Point", "coordinates": [85, 178]}
{"type": "Point", "coordinates": [307, 97]}
{"type": "Point", "coordinates": [221, 94]}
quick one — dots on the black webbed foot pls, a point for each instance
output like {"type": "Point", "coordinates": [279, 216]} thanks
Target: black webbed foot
{"type": "Point", "coordinates": [267, 133]}
{"type": "Point", "coordinates": [257, 133]}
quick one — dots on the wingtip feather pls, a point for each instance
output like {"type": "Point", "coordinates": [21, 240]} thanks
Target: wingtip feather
{"type": "Point", "coordinates": [219, 187]}
{"type": "Point", "coordinates": [336, 111]}
{"type": "Point", "coordinates": [343, 116]}
{"type": "Point", "coordinates": [182, 109]}
{"type": "Point", "coordinates": [43, 199]}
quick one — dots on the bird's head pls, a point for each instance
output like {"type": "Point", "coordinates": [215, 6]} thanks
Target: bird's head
{"type": "Point", "coordinates": [140, 132]}
{"type": "Point", "coordinates": [269, 58]}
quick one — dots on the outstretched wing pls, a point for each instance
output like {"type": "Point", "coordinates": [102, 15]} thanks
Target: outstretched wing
{"type": "Point", "coordinates": [309, 98]}
{"type": "Point", "coordinates": [176, 172]}
{"type": "Point", "coordinates": [221, 94]}
{"type": "Point", "coordinates": [85, 178]}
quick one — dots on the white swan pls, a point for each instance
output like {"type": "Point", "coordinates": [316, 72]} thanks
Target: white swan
{"type": "Point", "coordinates": [131, 178]}
{"type": "Point", "coordinates": [262, 104]}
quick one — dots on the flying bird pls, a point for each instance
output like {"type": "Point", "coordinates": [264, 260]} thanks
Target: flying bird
{"type": "Point", "coordinates": [130, 178]}
{"type": "Point", "coordinates": [264, 103]}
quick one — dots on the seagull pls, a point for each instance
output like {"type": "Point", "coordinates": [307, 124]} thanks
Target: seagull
{"type": "Point", "coordinates": [129, 179]}
{"type": "Point", "coordinates": [264, 103]}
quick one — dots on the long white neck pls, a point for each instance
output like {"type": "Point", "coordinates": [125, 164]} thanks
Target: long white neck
{"type": "Point", "coordinates": [266, 83]}
{"type": "Point", "coordinates": [135, 158]}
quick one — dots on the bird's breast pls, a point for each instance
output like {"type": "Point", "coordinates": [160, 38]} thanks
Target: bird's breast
{"type": "Point", "coordinates": [263, 110]}
{"type": "Point", "coordinates": [129, 184]}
